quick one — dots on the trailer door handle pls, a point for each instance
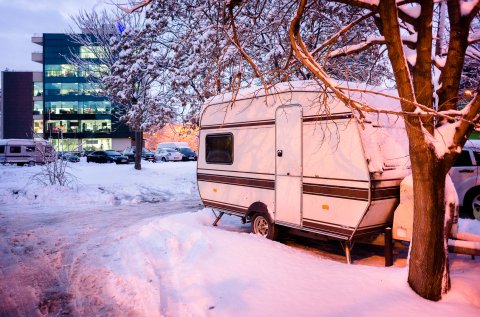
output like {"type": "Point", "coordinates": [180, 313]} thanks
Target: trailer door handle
{"type": "Point", "coordinates": [465, 171]}
{"type": "Point", "coordinates": [280, 153]}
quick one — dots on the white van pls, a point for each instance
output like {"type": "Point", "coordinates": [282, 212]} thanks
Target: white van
{"type": "Point", "coordinates": [466, 178]}
{"type": "Point", "coordinates": [171, 145]}
{"type": "Point", "coordinates": [187, 153]}
{"type": "Point", "coordinates": [283, 161]}
{"type": "Point", "coordinates": [25, 151]}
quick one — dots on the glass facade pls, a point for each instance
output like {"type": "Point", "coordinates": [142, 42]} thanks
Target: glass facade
{"type": "Point", "coordinates": [79, 126]}
{"type": "Point", "coordinates": [37, 89]}
{"type": "Point", "coordinates": [73, 108]}
{"type": "Point", "coordinates": [78, 107]}
{"type": "Point", "coordinates": [38, 127]}
{"type": "Point", "coordinates": [38, 107]}
{"type": "Point", "coordinates": [72, 89]}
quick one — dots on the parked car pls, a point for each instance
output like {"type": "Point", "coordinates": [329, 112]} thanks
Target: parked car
{"type": "Point", "coordinates": [466, 178]}
{"type": "Point", "coordinates": [167, 155]}
{"type": "Point", "coordinates": [146, 154]}
{"type": "Point", "coordinates": [107, 157]}
{"type": "Point", "coordinates": [71, 157]}
{"type": "Point", "coordinates": [188, 154]}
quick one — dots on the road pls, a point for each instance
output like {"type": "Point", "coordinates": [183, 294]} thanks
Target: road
{"type": "Point", "coordinates": [41, 250]}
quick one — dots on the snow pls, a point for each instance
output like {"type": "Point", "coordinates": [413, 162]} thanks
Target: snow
{"type": "Point", "coordinates": [125, 242]}
{"type": "Point", "coordinates": [466, 7]}
{"type": "Point", "coordinates": [411, 10]}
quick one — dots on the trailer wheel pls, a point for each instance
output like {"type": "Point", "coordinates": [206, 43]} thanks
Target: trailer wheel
{"type": "Point", "coordinates": [31, 163]}
{"type": "Point", "coordinates": [262, 225]}
{"type": "Point", "coordinates": [472, 203]}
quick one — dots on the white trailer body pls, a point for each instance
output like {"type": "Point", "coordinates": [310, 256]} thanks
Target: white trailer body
{"type": "Point", "coordinates": [25, 151]}
{"type": "Point", "coordinates": [303, 167]}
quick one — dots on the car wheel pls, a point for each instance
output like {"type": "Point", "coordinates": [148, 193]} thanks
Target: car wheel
{"type": "Point", "coordinates": [164, 159]}
{"type": "Point", "coordinates": [262, 225]}
{"type": "Point", "coordinates": [471, 203]}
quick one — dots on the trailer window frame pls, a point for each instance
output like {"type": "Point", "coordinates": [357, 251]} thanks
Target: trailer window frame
{"type": "Point", "coordinates": [15, 149]}
{"type": "Point", "coordinates": [227, 152]}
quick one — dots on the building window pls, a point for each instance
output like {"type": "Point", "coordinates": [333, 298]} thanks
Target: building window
{"type": "Point", "coordinates": [52, 89]}
{"type": "Point", "coordinates": [219, 148]}
{"type": "Point", "coordinates": [92, 52]}
{"type": "Point", "coordinates": [61, 70]}
{"type": "Point", "coordinates": [38, 126]}
{"type": "Point", "coordinates": [38, 107]}
{"type": "Point", "coordinates": [37, 89]}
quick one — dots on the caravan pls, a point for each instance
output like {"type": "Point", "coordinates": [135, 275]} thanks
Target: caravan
{"type": "Point", "coordinates": [298, 159]}
{"type": "Point", "coordinates": [25, 151]}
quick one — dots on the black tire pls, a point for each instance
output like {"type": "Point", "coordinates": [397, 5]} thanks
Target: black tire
{"type": "Point", "coordinates": [262, 225]}
{"type": "Point", "coordinates": [164, 159]}
{"type": "Point", "coordinates": [471, 203]}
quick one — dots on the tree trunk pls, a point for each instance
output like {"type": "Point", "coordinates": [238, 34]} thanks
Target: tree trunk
{"type": "Point", "coordinates": [428, 267]}
{"type": "Point", "coordinates": [138, 149]}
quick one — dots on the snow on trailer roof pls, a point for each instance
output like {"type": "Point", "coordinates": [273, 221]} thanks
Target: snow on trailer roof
{"type": "Point", "coordinates": [16, 141]}
{"type": "Point", "coordinates": [360, 92]}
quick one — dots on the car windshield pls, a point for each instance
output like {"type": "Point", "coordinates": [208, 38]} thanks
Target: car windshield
{"type": "Point", "coordinates": [170, 150]}
{"type": "Point", "coordinates": [112, 153]}
{"type": "Point", "coordinates": [186, 150]}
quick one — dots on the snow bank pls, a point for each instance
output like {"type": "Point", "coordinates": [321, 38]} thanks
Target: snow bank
{"type": "Point", "coordinates": [103, 184]}
{"type": "Point", "coordinates": [182, 266]}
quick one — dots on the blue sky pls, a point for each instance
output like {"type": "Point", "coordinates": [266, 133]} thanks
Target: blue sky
{"type": "Point", "coordinates": [20, 19]}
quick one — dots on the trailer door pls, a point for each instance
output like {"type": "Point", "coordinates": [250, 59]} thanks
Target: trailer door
{"type": "Point", "coordinates": [288, 179]}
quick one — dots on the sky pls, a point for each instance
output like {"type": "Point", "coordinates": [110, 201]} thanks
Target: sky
{"type": "Point", "coordinates": [21, 19]}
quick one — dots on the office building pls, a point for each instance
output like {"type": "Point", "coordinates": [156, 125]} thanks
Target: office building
{"type": "Point", "coordinates": [75, 113]}
{"type": "Point", "coordinates": [16, 120]}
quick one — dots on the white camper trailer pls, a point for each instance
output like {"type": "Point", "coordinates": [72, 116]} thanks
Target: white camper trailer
{"type": "Point", "coordinates": [283, 159]}
{"type": "Point", "coordinates": [25, 151]}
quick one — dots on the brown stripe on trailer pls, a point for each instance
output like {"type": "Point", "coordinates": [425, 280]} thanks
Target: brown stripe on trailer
{"type": "Point", "coordinates": [229, 171]}
{"type": "Point", "coordinates": [327, 229]}
{"type": "Point", "coordinates": [336, 191]}
{"type": "Point", "coordinates": [337, 116]}
{"type": "Point", "coordinates": [346, 232]}
{"type": "Point", "coordinates": [385, 193]}
{"type": "Point", "coordinates": [226, 207]}
{"type": "Point", "coordinates": [377, 229]}
{"type": "Point", "coordinates": [240, 181]}
{"type": "Point", "coordinates": [239, 124]}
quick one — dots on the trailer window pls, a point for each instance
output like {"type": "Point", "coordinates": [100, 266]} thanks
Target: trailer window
{"type": "Point", "coordinates": [219, 148]}
{"type": "Point", "coordinates": [30, 149]}
{"type": "Point", "coordinates": [2, 148]}
{"type": "Point", "coordinates": [15, 149]}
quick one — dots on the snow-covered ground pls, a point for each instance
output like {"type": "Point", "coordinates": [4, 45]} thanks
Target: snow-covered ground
{"type": "Point", "coordinates": [138, 243]}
